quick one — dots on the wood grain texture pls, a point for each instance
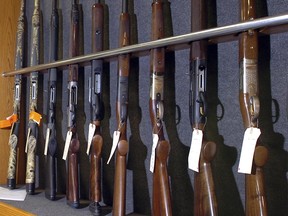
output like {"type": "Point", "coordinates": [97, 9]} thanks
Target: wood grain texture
{"type": "Point", "coordinates": [9, 10]}
{"type": "Point", "coordinates": [6, 209]}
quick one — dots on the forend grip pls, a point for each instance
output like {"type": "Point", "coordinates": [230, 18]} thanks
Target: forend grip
{"type": "Point", "coordinates": [74, 36]}
{"type": "Point", "coordinates": [157, 20]}
{"type": "Point", "coordinates": [124, 35]}
{"type": "Point", "coordinates": [97, 27]}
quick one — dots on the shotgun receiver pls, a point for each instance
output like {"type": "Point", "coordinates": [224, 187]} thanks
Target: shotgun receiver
{"type": "Point", "coordinates": [119, 138]}
{"type": "Point", "coordinates": [161, 201]}
{"type": "Point", "coordinates": [256, 203]}
{"type": "Point", "coordinates": [95, 139]}
{"type": "Point", "coordinates": [34, 117]}
{"type": "Point", "coordinates": [72, 143]}
{"type": "Point", "coordinates": [51, 142]}
{"type": "Point", "coordinates": [204, 191]}
{"type": "Point", "coordinates": [13, 121]}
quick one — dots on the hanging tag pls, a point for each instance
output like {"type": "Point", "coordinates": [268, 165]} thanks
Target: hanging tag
{"type": "Point", "coordinates": [116, 136]}
{"type": "Point", "coordinates": [195, 150]}
{"type": "Point", "coordinates": [91, 133]}
{"type": "Point", "coordinates": [36, 117]}
{"type": "Point", "coordinates": [47, 141]}
{"type": "Point", "coordinates": [248, 148]}
{"type": "Point", "coordinates": [67, 144]}
{"type": "Point", "coordinates": [28, 135]}
{"type": "Point", "coordinates": [8, 122]}
{"type": "Point", "coordinates": [152, 160]}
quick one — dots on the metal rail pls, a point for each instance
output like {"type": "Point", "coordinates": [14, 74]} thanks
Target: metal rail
{"type": "Point", "coordinates": [169, 43]}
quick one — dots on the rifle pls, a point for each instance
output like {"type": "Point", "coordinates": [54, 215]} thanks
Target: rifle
{"type": "Point", "coordinates": [51, 142]}
{"type": "Point", "coordinates": [72, 143]}
{"type": "Point", "coordinates": [120, 142]}
{"type": "Point", "coordinates": [256, 203]}
{"type": "Point", "coordinates": [13, 121]}
{"type": "Point", "coordinates": [161, 201]}
{"type": "Point", "coordinates": [204, 191]}
{"type": "Point", "coordinates": [34, 117]}
{"type": "Point", "coordinates": [97, 107]}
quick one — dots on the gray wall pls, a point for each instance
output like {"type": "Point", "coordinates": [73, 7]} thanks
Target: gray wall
{"type": "Point", "coordinates": [222, 89]}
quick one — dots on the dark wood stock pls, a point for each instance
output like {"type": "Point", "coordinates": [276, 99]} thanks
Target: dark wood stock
{"type": "Point", "coordinates": [205, 202]}
{"type": "Point", "coordinates": [97, 140]}
{"type": "Point", "coordinates": [72, 174]}
{"type": "Point", "coordinates": [161, 200]}
{"type": "Point", "coordinates": [256, 203]}
{"type": "Point", "coordinates": [119, 196]}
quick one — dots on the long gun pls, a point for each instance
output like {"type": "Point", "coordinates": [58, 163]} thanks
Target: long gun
{"type": "Point", "coordinates": [34, 117]}
{"type": "Point", "coordinates": [161, 201]}
{"type": "Point", "coordinates": [256, 203]}
{"type": "Point", "coordinates": [72, 143]}
{"type": "Point", "coordinates": [13, 121]}
{"type": "Point", "coordinates": [51, 142]}
{"type": "Point", "coordinates": [97, 108]}
{"type": "Point", "coordinates": [119, 138]}
{"type": "Point", "coordinates": [204, 192]}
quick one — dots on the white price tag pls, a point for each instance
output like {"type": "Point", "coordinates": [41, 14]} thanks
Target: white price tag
{"type": "Point", "coordinates": [195, 150]}
{"type": "Point", "coordinates": [67, 144]}
{"type": "Point", "coordinates": [152, 160]}
{"type": "Point", "coordinates": [28, 135]}
{"type": "Point", "coordinates": [248, 148]}
{"type": "Point", "coordinates": [91, 133]}
{"type": "Point", "coordinates": [116, 136]}
{"type": "Point", "coordinates": [47, 141]}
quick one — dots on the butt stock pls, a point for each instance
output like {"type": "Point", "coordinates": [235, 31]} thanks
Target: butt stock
{"type": "Point", "coordinates": [161, 198]}
{"type": "Point", "coordinates": [256, 203]}
{"type": "Point", "coordinates": [205, 202]}
{"type": "Point", "coordinates": [119, 196]}
{"type": "Point", "coordinates": [72, 187]}
{"type": "Point", "coordinates": [97, 109]}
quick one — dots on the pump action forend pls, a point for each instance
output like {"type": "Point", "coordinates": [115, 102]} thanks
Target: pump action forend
{"type": "Point", "coordinates": [34, 117]}
{"type": "Point", "coordinates": [51, 142]}
{"type": "Point", "coordinates": [95, 138]}
{"type": "Point", "coordinates": [161, 200]}
{"type": "Point", "coordinates": [204, 191]}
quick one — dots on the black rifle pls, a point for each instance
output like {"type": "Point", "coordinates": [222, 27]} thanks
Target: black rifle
{"type": "Point", "coordinates": [97, 107]}
{"type": "Point", "coordinates": [34, 117]}
{"type": "Point", "coordinates": [51, 142]}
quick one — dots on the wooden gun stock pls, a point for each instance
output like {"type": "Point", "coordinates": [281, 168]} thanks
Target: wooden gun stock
{"type": "Point", "coordinates": [119, 196]}
{"type": "Point", "coordinates": [97, 108]}
{"type": "Point", "coordinates": [256, 203]}
{"type": "Point", "coordinates": [204, 191]}
{"type": "Point", "coordinates": [161, 200]}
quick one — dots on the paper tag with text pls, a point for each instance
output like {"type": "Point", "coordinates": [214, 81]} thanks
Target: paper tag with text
{"type": "Point", "coordinates": [47, 141]}
{"type": "Point", "coordinates": [91, 133]}
{"type": "Point", "coordinates": [152, 160]}
{"type": "Point", "coordinates": [116, 136]}
{"type": "Point", "coordinates": [248, 148]}
{"type": "Point", "coordinates": [67, 144]}
{"type": "Point", "coordinates": [28, 135]}
{"type": "Point", "coordinates": [195, 150]}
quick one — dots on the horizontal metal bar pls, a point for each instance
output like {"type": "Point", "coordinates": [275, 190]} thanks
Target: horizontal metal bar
{"type": "Point", "coordinates": [166, 42]}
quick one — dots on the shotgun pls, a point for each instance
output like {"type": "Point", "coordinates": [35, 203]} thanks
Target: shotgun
{"type": "Point", "coordinates": [95, 139]}
{"type": "Point", "coordinates": [13, 121]}
{"type": "Point", "coordinates": [256, 203]}
{"type": "Point", "coordinates": [34, 117]}
{"type": "Point", "coordinates": [51, 142]}
{"type": "Point", "coordinates": [161, 200]}
{"type": "Point", "coordinates": [120, 142]}
{"type": "Point", "coordinates": [72, 143]}
{"type": "Point", "coordinates": [204, 191]}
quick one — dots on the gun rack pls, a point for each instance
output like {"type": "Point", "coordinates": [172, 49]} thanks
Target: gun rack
{"type": "Point", "coordinates": [266, 25]}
